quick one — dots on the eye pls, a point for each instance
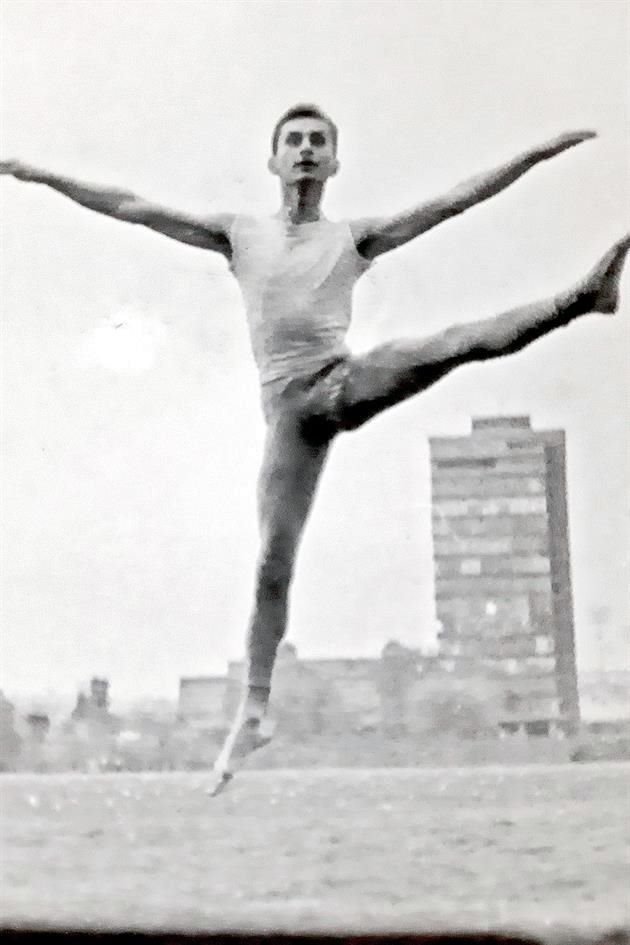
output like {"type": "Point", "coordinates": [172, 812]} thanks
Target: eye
{"type": "Point", "coordinates": [318, 139]}
{"type": "Point", "coordinates": [294, 138]}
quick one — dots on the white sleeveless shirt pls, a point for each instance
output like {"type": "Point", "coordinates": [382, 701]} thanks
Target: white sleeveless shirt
{"type": "Point", "coordinates": [297, 282]}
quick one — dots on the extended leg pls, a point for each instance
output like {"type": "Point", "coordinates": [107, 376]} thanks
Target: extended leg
{"type": "Point", "coordinates": [395, 371]}
{"type": "Point", "coordinates": [288, 479]}
{"type": "Point", "coordinates": [292, 464]}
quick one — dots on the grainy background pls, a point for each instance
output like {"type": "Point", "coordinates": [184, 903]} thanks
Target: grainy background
{"type": "Point", "coordinates": [539, 847]}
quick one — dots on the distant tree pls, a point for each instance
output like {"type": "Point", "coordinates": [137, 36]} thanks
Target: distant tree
{"type": "Point", "coordinates": [39, 725]}
{"type": "Point", "coordinates": [303, 702]}
{"type": "Point", "coordinates": [464, 708]}
{"type": "Point", "coordinates": [10, 741]}
{"type": "Point", "coordinates": [99, 694]}
{"type": "Point", "coordinates": [81, 709]}
{"type": "Point", "coordinates": [458, 714]}
{"type": "Point", "coordinates": [397, 672]}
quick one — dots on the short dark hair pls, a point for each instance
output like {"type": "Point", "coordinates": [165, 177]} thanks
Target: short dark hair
{"type": "Point", "coordinates": [303, 111]}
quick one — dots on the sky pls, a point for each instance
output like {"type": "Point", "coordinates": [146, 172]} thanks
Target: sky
{"type": "Point", "coordinates": [131, 426]}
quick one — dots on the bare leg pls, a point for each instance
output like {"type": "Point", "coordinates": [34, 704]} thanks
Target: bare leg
{"type": "Point", "coordinates": [292, 464]}
{"type": "Point", "coordinates": [289, 476]}
{"type": "Point", "coordinates": [395, 371]}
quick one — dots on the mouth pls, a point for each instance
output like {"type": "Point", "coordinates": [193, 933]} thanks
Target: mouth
{"type": "Point", "coordinates": [306, 165]}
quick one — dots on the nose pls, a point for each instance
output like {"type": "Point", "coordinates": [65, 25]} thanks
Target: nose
{"type": "Point", "coordinates": [306, 151]}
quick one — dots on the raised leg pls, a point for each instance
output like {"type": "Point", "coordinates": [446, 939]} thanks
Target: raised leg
{"type": "Point", "coordinates": [397, 370]}
{"type": "Point", "coordinates": [292, 463]}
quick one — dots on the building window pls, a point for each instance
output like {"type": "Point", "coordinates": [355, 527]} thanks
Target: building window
{"type": "Point", "coordinates": [466, 463]}
{"type": "Point", "coordinates": [471, 566]}
{"type": "Point", "coordinates": [544, 645]}
{"type": "Point", "coordinates": [512, 701]}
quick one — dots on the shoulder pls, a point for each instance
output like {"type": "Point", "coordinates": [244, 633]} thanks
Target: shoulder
{"type": "Point", "coordinates": [253, 241]}
{"type": "Point", "coordinates": [219, 222]}
{"type": "Point", "coordinates": [364, 228]}
{"type": "Point", "coordinates": [247, 225]}
{"type": "Point", "coordinates": [363, 231]}
{"type": "Point", "coordinates": [361, 228]}
{"type": "Point", "coordinates": [374, 236]}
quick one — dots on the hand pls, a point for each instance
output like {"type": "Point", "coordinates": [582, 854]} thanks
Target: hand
{"type": "Point", "coordinates": [18, 169]}
{"type": "Point", "coordinates": [564, 142]}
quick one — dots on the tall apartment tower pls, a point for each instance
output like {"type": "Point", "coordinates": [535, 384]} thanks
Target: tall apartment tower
{"type": "Point", "coordinates": [502, 568]}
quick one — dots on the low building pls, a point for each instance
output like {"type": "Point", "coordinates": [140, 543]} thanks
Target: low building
{"type": "Point", "coordinates": [202, 701]}
{"type": "Point", "coordinates": [605, 696]}
{"type": "Point", "coordinates": [403, 691]}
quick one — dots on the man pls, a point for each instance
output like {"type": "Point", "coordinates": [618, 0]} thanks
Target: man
{"type": "Point", "coordinates": [297, 271]}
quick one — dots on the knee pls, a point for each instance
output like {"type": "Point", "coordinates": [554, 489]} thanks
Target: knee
{"type": "Point", "coordinates": [275, 566]}
{"type": "Point", "coordinates": [458, 342]}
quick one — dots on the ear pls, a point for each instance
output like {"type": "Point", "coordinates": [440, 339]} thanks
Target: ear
{"type": "Point", "coordinates": [334, 167]}
{"type": "Point", "coordinates": [272, 164]}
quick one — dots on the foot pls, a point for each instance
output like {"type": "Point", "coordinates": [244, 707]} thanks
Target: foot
{"type": "Point", "coordinates": [246, 736]}
{"type": "Point", "coordinates": [601, 285]}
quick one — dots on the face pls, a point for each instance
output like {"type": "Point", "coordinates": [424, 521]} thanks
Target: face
{"type": "Point", "coordinates": [305, 151]}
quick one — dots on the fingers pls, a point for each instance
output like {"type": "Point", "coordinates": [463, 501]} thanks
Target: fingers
{"type": "Point", "coordinates": [618, 254]}
{"type": "Point", "coordinates": [564, 142]}
{"type": "Point", "coordinates": [577, 137]}
{"type": "Point", "coordinates": [571, 139]}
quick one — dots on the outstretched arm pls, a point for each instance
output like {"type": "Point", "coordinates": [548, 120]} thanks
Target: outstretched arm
{"type": "Point", "coordinates": [203, 232]}
{"type": "Point", "coordinates": [373, 237]}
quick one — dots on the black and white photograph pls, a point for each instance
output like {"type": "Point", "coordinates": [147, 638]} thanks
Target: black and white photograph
{"type": "Point", "coordinates": [315, 321]}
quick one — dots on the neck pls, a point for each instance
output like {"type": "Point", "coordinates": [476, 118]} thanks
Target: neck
{"type": "Point", "coordinates": [301, 202]}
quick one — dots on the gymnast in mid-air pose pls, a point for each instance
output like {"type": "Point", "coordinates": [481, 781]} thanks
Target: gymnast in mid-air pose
{"type": "Point", "coordinates": [297, 271]}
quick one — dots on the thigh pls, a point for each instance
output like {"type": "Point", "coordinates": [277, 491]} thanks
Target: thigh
{"type": "Point", "coordinates": [395, 371]}
{"type": "Point", "coordinates": [291, 468]}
